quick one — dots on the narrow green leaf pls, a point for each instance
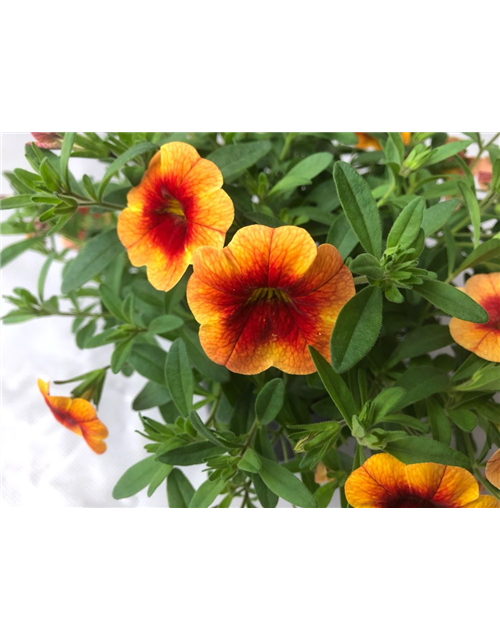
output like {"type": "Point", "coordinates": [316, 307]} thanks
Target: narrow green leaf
{"type": "Point", "coordinates": [447, 150]}
{"type": "Point", "coordinates": [151, 395]}
{"type": "Point", "coordinates": [284, 484]}
{"type": "Point", "coordinates": [437, 216]}
{"type": "Point", "coordinates": [136, 478]}
{"type": "Point", "coordinates": [158, 478]}
{"type": "Point", "coordinates": [43, 274]}
{"type": "Point", "coordinates": [266, 497]}
{"type": "Point", "coordinates": [232, 159]}
{"type": "Point", "coordinates": [415, 449]}
{"type": "Point", "coordinates": [12, 251]}
{"type": "Point", "coordinates": [165, 324]}
{"type": "Point", "coordinates": [385, 401]}
{"type": "Point", "coordinates": [250, 462]}
{"type": "Point", "coordinates": [203, 430]}
{"type": "Point", "coordinates": [120, 355]}
{"type": "Point", "coordinates": [337, 389]}
{"type": "Point", "coordinates": [206, 494]}
{"type": "Point", "coordinates": [179, 490]}
{"type": "Point", "coordinates": [452, 301]}
{"type": "Point", "coordinates": [15, 202]}
{"type": "Point", "coordinates": [149, 361]}
{"type": "Point", "coordinates": [359, 207]}
{"type": "Point", "coordinates": [112, 301]}
{"type": "Point", "coordinates": [474, 212]}
{"type": "Point", "coordinates": [303, 172]}
{"type": "Point", "coordinates": [269, 401]}
{"type": "Point", "coordinates": [67, 146]}
{"type": "Point", "coordinates": [91, 260]}
{"type": "Point", "coordinates": [179, 377]}
{"type": "Point", "coordinates": [407, 225]}
{"type": "Point", "coordinates": [440, 425]}
{"type": "Point", "coordinates": [356, 329]}
{"type": "Point", "coordinates": [421, 341]}
{"type": "Point", "coordinates": [342, 236]}
{"type": "Point", "coordinates": [420, 383]}
{"type": "Point", "coordinates": [189, 454]}
{"type": "Point", "coordinates": [121, 161]}
{"type": "Point", "coordinates": [464, 419]}
{"type": "Point", "coordinates": [485, 252]}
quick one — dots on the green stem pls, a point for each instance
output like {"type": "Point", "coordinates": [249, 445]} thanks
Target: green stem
{"type": "Point", "coordinates": [251, 434]}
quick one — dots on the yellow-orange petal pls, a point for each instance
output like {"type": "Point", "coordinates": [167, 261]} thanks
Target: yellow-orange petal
{"type": "Point", "coordinates": [457, 488]}
{"type": "Point", "coordinates": [366, 142]}
{"type": "Point", "coordinates": [77, 415]}
{"type": "Point", "coordinates": [493, 469]}
{"type": "Point", "coordinates": [381, 479]}
{"type": "Point", "coordinates": [483, 502]}
{"type": "Point", "coordinates": [483, 286]}
{"type": "Point", "coordinates": [406, 137]}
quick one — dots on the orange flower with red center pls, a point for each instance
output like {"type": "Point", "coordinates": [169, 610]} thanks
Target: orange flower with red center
{"type": "Point", "coordinates": [178, 206]}
{"type": "Point", "coordinates": [267, 296]}
{"type": "Point", "coordinates": [481, 339]}
{"type": "Point", "coordinates": [385, 482]}
{"type": "Point", "coordinates": [77, 415]}
{"type": "Point", "coordinates": [368, 142]}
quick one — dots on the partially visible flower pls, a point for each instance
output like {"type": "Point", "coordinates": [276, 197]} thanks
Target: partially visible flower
{"type": "Point", "coordinates": [48, 140]}
{"type": "Point", "coordinates": [385, 482]}
{"type": "Point", "coordinates": [321, 474]}
{"type": "Point", "coordinates": [481, 339]}
{"type": "Point", "coordinates": [178, 206]}
{"type": "Point", "coordinates": [483, 171]}
{"type": "Point", "coordinates": [77, 415]}
{"type": "Point", "coordinates": [267, 296]}
{"type": "Point", "coordinates": [366, 141]}
{"type": "Point", "coordinates": [493, 469]}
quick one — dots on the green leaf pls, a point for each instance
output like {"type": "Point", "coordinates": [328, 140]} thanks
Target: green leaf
{"type": "Point", "coordinates": [447, 150]}
{"type": "Point", "coordinates": [43, 274]}
{"type": "Point", "coordinates": [342, 236]}
{"type": "Point", "coordinates": [266, 497]}
{"type": "Point", "coordinates": [179, 490]}
{"type": "Point", "coordinates": [284, 484]}
{"type": "Point", "coordinates": [421, 341]}
{"type": "Point", "coordinates": [149, 361]}
{"type": "Point", "coordinates": [367, 265]}
{"type": "Point", "coordinates": [203, 430]}
{"type": "Point", "coordinates": [151, 395]}
{"type": "Point", "coordinates": [179, 377]}
{"type": "Point", "coordinates": [235, 158]}
{"type": "Point", "coordinates": [474, 211]}
{"type": "Point", "coordinates": [15, 202]}
{"type": "Point", "coordinates": [385, 401]}
{"type": "Point", "coordinates": [136, 478]}
{"type": "Point", "coordinates": [269, 401]}
{"type": "Point", "coordinates": [121, 161]}
{"type": "Point", "coordinates": [165, 324]}
{"type": "Point", "coordinates": [206, 494]}
{"type": "Point", "coordinates": [485, 252]}
{"type": "Point", "coordinates": [407, 225]}
{"type": "Point", "coordinates": [201, 361]}
{"type": "Point", "coordinates": [189, 454]}
{"type": "Point", "coordinates": [440, 425]}
{"type": "Point", "coordinates": [91, 260]}
{"type": "Point", "coordinates": [158, 478]}
{"type": "Point", "coordinates": [415, 449]}
{"type": "Point", "coordinates": [356, 328]}
{"type": "Point", "coordinates": [452, 301]}
{"type": "Point", "coordinates": [437, 216]}
{"type": "Point", "coordinates": [464, 419]}
{"type": "Point", "coordinates": [67, 146]}
{"type": "Point", "coordinates": [337, 389]}
{"type": "Point", "coordinates": [303, 172]}
{"type": "Point", "coordinates": [12, 251]}
{"type": "Point", "coordinates": [120, 355]}
{"type": "Point", "coordinates": [112, 301]}
{"type": "Point", "coordinates": [359, 207]}
{"type": "Point", "coordinates": [420, 383]}
{"type": "Point", "coordinates": [250, 462]}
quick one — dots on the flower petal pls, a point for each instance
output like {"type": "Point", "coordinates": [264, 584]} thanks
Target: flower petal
{"type": "Point", "coordinates": [493, 469]}
{"type": "Point", "coordinates": [480, 339]}
{"type": "Point", "coordinates": [483, 502]}
{"type": "Point", "coordinates": [457, 488]}
{"type": "Point", "coordinates": [380, 480]}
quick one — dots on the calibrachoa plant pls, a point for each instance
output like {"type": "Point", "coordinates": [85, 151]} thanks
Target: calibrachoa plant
{"type": "Point", "coordinates": [311, 313]}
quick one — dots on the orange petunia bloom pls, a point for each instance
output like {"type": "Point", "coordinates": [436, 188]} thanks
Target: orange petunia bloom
{"type": "Point", "coordinates": [178, 206]}
{"type": "Point", "coordinates": [385, 482]}
{"type": "Point", "coordinates": [77, 415]}
{"type": "Point", "coordinates": [493, 469]}
{"type": "Point", "coordinates": [267, 296]}
{"type": "Point", "coordinates": [481, 339]}
{"type": "Point", "coordinates": [366, 141]}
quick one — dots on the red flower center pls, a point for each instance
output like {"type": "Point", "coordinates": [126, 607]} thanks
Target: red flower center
{"type": "Point", "coordinates": [492, 307]}
{"type": "Point", "coordinates": [410, 502]}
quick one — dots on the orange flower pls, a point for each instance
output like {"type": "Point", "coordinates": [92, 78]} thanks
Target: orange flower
{"type": "Point", "coordinates": [366, 141]}
{"type": "Point", "coordinates": [493, 469]}
{"type": "Point", "coordinates": [481, 339]}
{"type": "Point", "coordinates": [483, 171]}
{"type": "Point", "coordinates": [385, 482]}
{"type": "Point", "coordinates": [265, 297]}
{"type": "Point", "coordinates": [77, 415]}
{"type": "Point", "coordinates": [178, 207]}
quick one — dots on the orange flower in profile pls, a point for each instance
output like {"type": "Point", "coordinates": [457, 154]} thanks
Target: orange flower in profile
{"type": "Point", "coordinates": [178, 207]}
{"type": "Point", "coordinates": [493, 469]}
{"type": "Point", "coordinates": [385, 482]}
{"type": "Point", "coordinates": [481, 339]}
{"type": "Point", "coordinates": [77, 415]}
{"type": "Point", "coordinates": [368, 142]}
{"type": "Point", "coordinates": [267, 296]}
